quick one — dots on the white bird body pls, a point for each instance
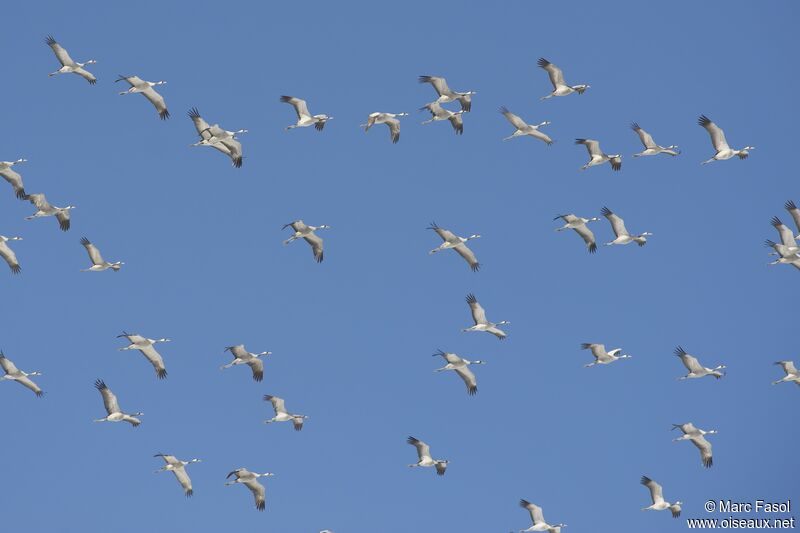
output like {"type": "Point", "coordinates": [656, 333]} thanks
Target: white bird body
{"type": "Point", "coordinates": [523, 128]}
{"type": "Point", "coordinates": [8, 254]}
{"type": "Point", "coordinates": [792, 374]}
{"type": "Point", "coordinates": [425, 458]}
{"type": "Point", "coordinates": [788, 239]}
{"type": "Point", "coordinates": [446, 94]}
{"type": "Point", "coordinates": [601, 356]}
{"type": "Point", "coordinates": [720, 143]}
{"type": "Point", "coordinates": [481, 323]}
{"type": "Point", "coordinates": [98, 263]}
{"type": "Point", "coordinates": [461, 367]}
{"type": "Point", "coordinates": [537, 517]}
{"type": "Point", "coordinates": [146, 348]}
{"type": "Point", "coordinates": [13, 177]}
{"type": "Point", "coordinates": [242, 357]}
{"type": "Point", "coordinates": [579, 224]}
{"type": "Point", "coordinates": [439, 113]}
{"type": "Point", "coordinates": [794, 211]}
{"type": "Point", "coordinates": [696, 370]}
{"type": "Point", "coordinates": [250, 480]}
{"type": "Point", "coordinates": [178, 467]}
{"type": "Point", "coordinates": [560, 87]}
{"type": "Point", "coordinates": [597, 156]}
{"type": "Point", "coordinates": [282, 415]}
{"type": "Point", "coordinates": [304, 117]}
{"type": "Point", "coordinates": [390, 119]}
{"type": "Point", "coordinates": [45, 209]}
{"type": "Point", "coordinates": [650, 146]}
{"type": "Point", "coordinates": [145, 88]}
{"type": "Point", "coordinates": [306, 232]}
{"type": "Point", "coordinates": [657, 496]}
{"type": "Point", "coordinates": [459, 244]}
{"type": "Point", "coordinates": [67, 64]}
{"type": "Point", "coordinates": [216, 137]}
{"type": "Point", "coordinates": [12, 373]}
{"type": "Point", "coordinates": [697, 436]}
{"type": "Point", "coordinates": [114, 413]}
{"type": "Point", "coordinates": [621, 234]}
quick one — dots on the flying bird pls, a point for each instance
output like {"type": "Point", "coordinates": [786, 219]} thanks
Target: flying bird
{"type": "Point", "coordinates": [794, 211]}
{"type": "Point", "coordinates": [446, 94]}
{"type": "Point", "coordinates": [792, 374]}
{"type": "Point", "coordinates": [67, 64]}
{"type": "Point", "coordinates": [250, 480]}
{"type": "Point", "coordinates": [281, 414]}
{"type": "Point", "coordinates": [560, 87]}
{"type": "Point", "coordinates": [145, 347]}
{"type": "Point", "coordinates": [145, 88]}
{"type": "Point", "coordinates": [787, 255]}
{"type": "Point", "coordinates": [537, 517]}
{"type": "Point", "coordinates": [216, 137]}
{"type": "Point", "coordinates": [622, 235]}
{"type": "Point", "coordinates": [243, 357]}
{"type": "Point", "coordinates": [304, 117]}
{"type": "Point", "coordinates": [461, 367]}
{"type": "Point", "coordinates": [696, 370]}
{"type": "Point", "coordinates": [720, 144]}
{"type": "Point", "coordinates": [439, 113]}
{"type": "Point", "coordinates": [98, 263]}
{"type": "Point", "coordinates": [597, 156]}
{"type": "Point", "coordinates": [579, 224]}
{"type": "Point", "coordinates": [453, 241]}
{"type": "Point", "coordinates": [178, 467]}
{"type": "Point", "coordinates": [8, 254]}
{"type": "Point", "coordinates": [697, 436]}
{"type": "Point", "coordinates": [523, 128]}
{"type": "Point", "coordinates": [390, 119]}
{"type": "Point", "coordinates": [13, 177]}
{"type": "Point", "coordinates": [305, 232]}
{"type": "Point", "coordinates": [12, 373]}
{"type": "Point", "coordinates": [786, 235]}
{"type": "Point", "coordinates": [601, 356]}
{"type": "Point", "coordinates": [115, 414]}
{"type": "Point", "coordinates": [44, 209]}
{"type": "Point", "coordinates": [479, 317]}
{"type": "Point", "coordinates": [650, 146]}
{"type": "Point", "coordinates": [425, 459]}
{"type": "Point", "coordinates": [656, 494]}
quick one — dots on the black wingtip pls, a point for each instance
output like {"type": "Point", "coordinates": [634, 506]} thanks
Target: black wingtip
{"type": "Point", "coordinates": [161, 373]}
{"type": "Point", "coordinates": [189, 493]}
{"type": "Point", "coordinates": [194, 113]}
{"type": "Point", "coordinates": [319, 126]}
{"type": "Point", "coordinates": [92, 82]}
{"type": "Point", "coordinates": [472, 391]}
{"type": "Point", "coordinates": [260, 506]}
{"type": "Point", "coordinates": [503, 109]}
{"type": "Point", "coordinates": [679, 351]}
{"type": "Point", "coordinates": [708, 463]}
{"type": "Point", "coordinates": [635, 126]}
{"type": "Point", "coordinates": [21, 194]}
{"type": "Point", "coordinates": [592, 248]}
{"type": "Point", "coordinates": [645, 480]}
{"type": "Point", "coordinates": [258, 376]}
{"type": "Point", "coordinates": [285, 99]}
{"type": "Point", "coordinates": [99, 384]}
{"type": "Point", "coordinates": [424, 79]}
{"type": "Point", "coordinates": [237, 162]}
{"type": "Point", "coordinates": [85, 241]}
{"type": "Point", "coordinates": [64, 225]}
{"type": "Point", "coordinates": [580, 141]}
{"type": "Point", "coordinates": [39, 394]}
{"type": "Point", "coordinates": [50, 40]}
{"type": "Point", "coordinates": [471, 298]}
{"type": "Point", "coordinates": [790, 205]}
{"type": "Point", "coordinates": [606, 211]}
{"type": "Point", "coordinates": [542, 62]}
{"type": "Point", "coordinates": [412, 440]}
{"type": "Point", "coordinates": [164, 115]}
{"type": "Point", "coordinates": [703, 120]}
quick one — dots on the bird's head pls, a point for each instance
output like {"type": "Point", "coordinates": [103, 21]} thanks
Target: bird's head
{"type": "Point", "coordinates": [162, 82]}
{"type": "Point", "coordinates": [266, 474]}
{"type": "Point", "coordinates": [35, 373]}
{"type": "Point", "coordinates": [646, 234]}
{"type": "Point", "coordinates": [21, 160]}
{"type": "Point", "coordinates": [625, 356]}
{"type": "Point", "coordinates": [15, 238]}
{"type": "Point", "coordinates": [475, 236]}
{"type": "Point", "coordinates": [593, 219]}
{"type": "Point", "coordinates": [138, 414]}
{"type": "Point", "coordinates": [324, 226]}
{"type": "Point", "coordinates": [69, 207]}
{"type": "Point", "coordinates": [478, 362]}
{"type": "Point", "coordinates": [503, 322]}
{"type": "Point", "coordinates": [263, 353]}
{"type": "Point", "coordinates": [712, 432]}
{"type": "Point", "coordinates": [195, 461]}
{"type": "Point", "coordinates": [91, 62]}
{"type": "Point", "coordinates": [747, 148]}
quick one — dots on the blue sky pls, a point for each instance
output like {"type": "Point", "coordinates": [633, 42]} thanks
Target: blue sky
{"type": "Point", "coordinates": [352, 337]}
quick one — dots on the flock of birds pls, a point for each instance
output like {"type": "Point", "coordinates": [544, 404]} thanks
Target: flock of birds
{"type": "Point", "coordinates": [226, 141]}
